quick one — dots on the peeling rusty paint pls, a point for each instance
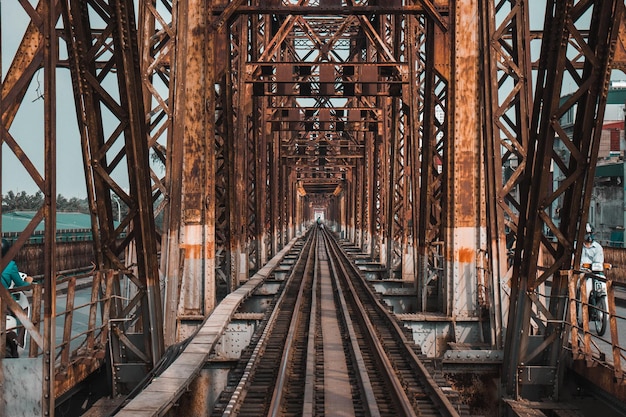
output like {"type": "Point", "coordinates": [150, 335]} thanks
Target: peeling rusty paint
{"type": "Point", "coordinates": [466, 255]}
{"type": "Point", "coordinates": [192, 251]}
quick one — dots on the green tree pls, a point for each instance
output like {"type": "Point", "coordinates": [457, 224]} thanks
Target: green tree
{"type": "Point", "coordinates": [21, 201]}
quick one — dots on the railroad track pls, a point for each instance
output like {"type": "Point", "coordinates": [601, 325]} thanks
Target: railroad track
{"type": "Point", "coordinates": [330, 347]}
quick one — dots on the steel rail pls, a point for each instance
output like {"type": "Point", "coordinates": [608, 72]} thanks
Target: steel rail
{"type": "Point", "coordinates": [277, 396]}
{"type": "Point", "coordinates": [401, 399]}
{"type": "Point", "coordinates": [163, 392]}
{"type": "Point", "coordinates": [363, 375]}
{"type": "Point", "coordinates": [240, 392]}
{"type": "Point", "coordinates": [437, 394]}
{"type": "Point", "coordinates": [309, 384]}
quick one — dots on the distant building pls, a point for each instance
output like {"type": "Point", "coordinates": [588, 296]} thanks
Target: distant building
{"type": "Point", "coordinates": [607, 208]}
{"type": "Point", "coordinates": [70, 226]}
{"type": "Point", "coordinates": [607, 211]}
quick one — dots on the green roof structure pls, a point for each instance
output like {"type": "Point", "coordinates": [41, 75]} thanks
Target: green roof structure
{"type": "Point", "coordinates": [610, 170]}
{"type": "Point", "coordinates": [70, 226]}
{"type": "Point", "coordinates": [16, 221]}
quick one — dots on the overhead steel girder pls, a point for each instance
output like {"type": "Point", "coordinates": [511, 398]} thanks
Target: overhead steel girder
{"type": "Point", "coordinates": [120, 153]}
{"type": "Point", "coordinates": [422, 7]}
{"type": "Point", "coordinates": [535, 353]}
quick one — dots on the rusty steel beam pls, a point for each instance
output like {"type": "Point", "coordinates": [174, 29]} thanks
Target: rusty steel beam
{"type": "Point", "coordinates": [508, 102]}
{"type": "Point", "coordinates": [425, 7]}
{"type": "Point", "coordinates": [195, 127]}
{"type": "Point", "coordinates": [431, 136]}
{"type": "Point", "coordinates": [223, 126]}
{"type": "Point", "coordinates": [239, 103]}
{"type": "Point", "coordinates": [50, 265]}
{"type": "Point", "coordinates": [619, 60]}
{"type": "Point", "coordinates": [463, 222]}
{"type": "Point", "coordinates": [102, 162]}
{"type": "Point", "coordinates": [536, 344]}
{"type": "Point", "coordinates": [158, 36]}
{"type": "Point", "coordinates": [28, 59]}
{"type": "Point", "coordinates": [38, 49]}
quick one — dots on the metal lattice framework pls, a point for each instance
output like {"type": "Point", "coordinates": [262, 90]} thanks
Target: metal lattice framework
{"type": "Point", "coordinates": [593, 26]}
{"type": "Point", "coordinates": [509, 110]}
{"type": "Point", "coordinates": [114, 152]}
{"type": "Point", "coordinates": [343, 106]}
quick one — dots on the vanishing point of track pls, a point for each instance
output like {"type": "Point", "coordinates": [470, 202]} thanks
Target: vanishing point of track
{"type": "Point", "coordinates": [330, 347]}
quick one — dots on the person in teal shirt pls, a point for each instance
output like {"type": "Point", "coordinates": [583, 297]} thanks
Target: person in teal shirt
{"type": "Point", "coordinates": [11, 273]}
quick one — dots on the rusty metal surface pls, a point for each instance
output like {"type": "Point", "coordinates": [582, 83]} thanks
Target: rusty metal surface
{"type": "Point", "coordinates": [563, 21]}
{"type": "Point", "coordinates": [157, 31]}
{"type": "Point", "coordinates": [89, 71]}
{"type": "Point", "coordinates": [262, 114]}
{"type": "Point", "coordinates": [38, 50]}
{"type": "Point", "coordinates": [463, 189]}
{"type": "Point", "coordinates": [195, 102]}
{"type": "Point", "coordinates": [508, 109]}
{"type": "Point", "coordinates": [619, 61]}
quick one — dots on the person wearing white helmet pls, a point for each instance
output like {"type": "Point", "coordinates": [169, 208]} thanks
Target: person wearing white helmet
{"type": "Point", "coordinates": [592, 260]}
{"type": "Point", "coordinates": [592, 255]}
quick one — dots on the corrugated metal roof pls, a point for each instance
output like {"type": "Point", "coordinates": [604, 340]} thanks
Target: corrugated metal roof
{"type": "Point", "coordinates": [610, 170]}
{"type": "Point", "coordinates": [16, 221]}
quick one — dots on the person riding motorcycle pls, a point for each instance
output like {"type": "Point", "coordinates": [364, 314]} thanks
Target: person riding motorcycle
{"type": "Point", "coordinates": [592, 260]}
{"type": "Point", "coordinates": [592, 255]}
{"type": "Point", "coordinates": [11, 276]}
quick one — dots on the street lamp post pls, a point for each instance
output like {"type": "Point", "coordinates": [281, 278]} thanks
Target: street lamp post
{"type": "Point", "coordinates": [119, 207]}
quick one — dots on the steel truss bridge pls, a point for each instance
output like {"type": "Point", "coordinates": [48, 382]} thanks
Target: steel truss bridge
{"type": "Point", "coordinates": [424, 132]}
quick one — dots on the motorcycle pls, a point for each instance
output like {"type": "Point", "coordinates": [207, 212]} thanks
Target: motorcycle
{"type": "Point", "coordinates": [16, 334]}
{"type": "Point", "coordinates": [596, 299]}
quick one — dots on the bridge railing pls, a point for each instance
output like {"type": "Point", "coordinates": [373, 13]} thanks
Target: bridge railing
{"type": "Point", "coordinates": [83, 308]}
{"type": "Point", "coordinates": [586, 342]}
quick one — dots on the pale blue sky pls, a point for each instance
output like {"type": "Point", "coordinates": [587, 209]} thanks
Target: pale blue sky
{"type": "Point", "coordinates": [28, 127]}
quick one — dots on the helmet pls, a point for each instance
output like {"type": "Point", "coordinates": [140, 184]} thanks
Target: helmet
{"type": "Point", "coordinates": [6, 245]}
{"type": "Point", "coordinates": [588, 237]}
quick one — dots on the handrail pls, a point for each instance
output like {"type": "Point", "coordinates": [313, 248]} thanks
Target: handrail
{"type": "Point", "coordinates": [586, 345]}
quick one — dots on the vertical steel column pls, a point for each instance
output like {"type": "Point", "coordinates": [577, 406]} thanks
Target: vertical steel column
{"type": "Point", "coordinates": [419, 153]}
{"type": "Point", "coordinates": [158, 58]}
{"type": "Point", "coordinates": [38, 49]}
{"type": "Point", "coordinates": [194, 127]}
{"type": "Point", "coordinates": [239, 109]}
{"type": "Point", "coordinates": [274, 191]}
{"type": "Point", "coordinates": [369, 194]}
{"type": "Point", "coordinates": [290, 192]}
{"type": "Point", "coordinates": [254, 157]}
{"type": "Point", "coordinates": [139, 179]}
{"type": "Point", "coordinates": [463, 228]}
{"type": "Point", "coordinates": [392, 139]}
{"type": "Point", "coordinates": [359, 209]}
{"type": "Point", "coordinates": [261, 173]}
{"type": "Point", "coordinates": [225, 44]}
{"type": "Point", "coordinates": [49, 188]}
{"type": "Point", "coordinates": [223, 129]}
{"type": "Point", "coordinates": [348, 195]}
{"type": "Point", "coordinates": [507, 95]}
